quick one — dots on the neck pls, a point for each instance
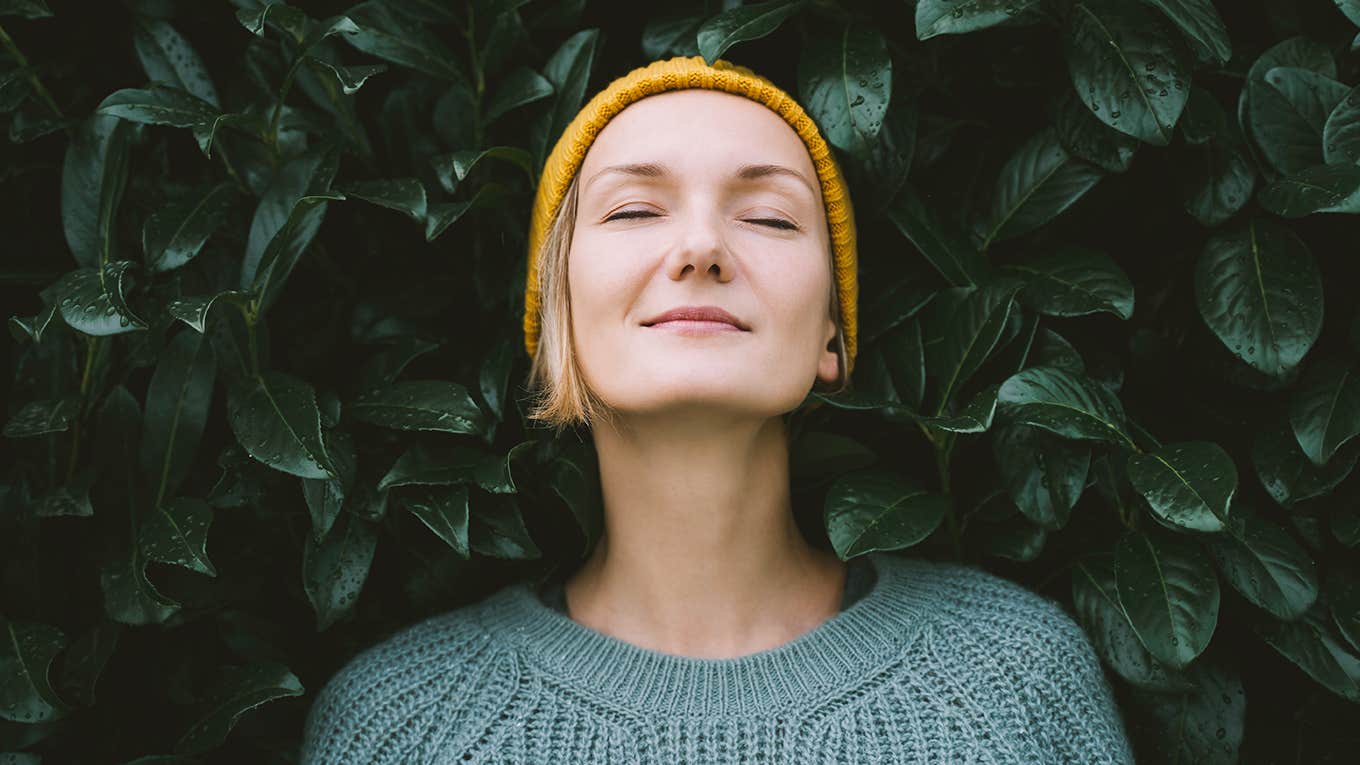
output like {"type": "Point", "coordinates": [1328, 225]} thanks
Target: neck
{"type": "Point", "coordinates": [701, 555]}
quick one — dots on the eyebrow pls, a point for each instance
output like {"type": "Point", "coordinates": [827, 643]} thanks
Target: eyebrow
{"type": "Point", "coordinates": [747, 172]}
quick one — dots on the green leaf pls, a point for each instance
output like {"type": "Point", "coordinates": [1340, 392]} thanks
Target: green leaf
{"type": "Point", "coordinates": [243, 689]}
{"type": "Point", "coordinates": [1264, 563]}
{"type": "Point", "coordinates": [568, 71]}
{"type": "Point", "coordinates": [445, 214]}
{"type": "Point", "coordinates": [194, 310]}
{"type": "Point", "coordinates": [1129, 67]}
{"type": "Point", "coordinates": [1259, 289]}
{"type": "Point", "coordinates": [1351, 8]}
{"type": "Point", "coordinates": [1341, 132]}
{"type": "Point", "coordinates": [1286, 472]}
{"type": "Point", "coordinates": [741, 24]}
{"type": "Point", "coordinates": [309, 174]}
{"type": "Point", "coordinates": [276, 421]}
{"type": "Point", "coordinates": [1201, 24]}
{"type": "Point", "coordinates": [158, 105]}
{"type": "Point", "coordinates": [845, 82]}
{"type": "Point", "coordinates": [1203, 726]}
{"type": "Point", "coordinates": [874, 509]}
{"type": "Point", "coordinates": [169, 59]}
{"type": "Point", "coordinates": [1291, 113]}
{"type": "Point", "coordinates": [817, 457]}
{"type": "Point", "coordinates": [521, 86]}
{"type": "Point", "coordinates": [497, 529]}
{"type": "Point", "coordinates": [1216, 184]}
{"type": "Point", "coordinates": [445, 511]}
{"type": "Point", "coordinates": [93, 175]}
{"type": "Point", "coordinates": [955, 17]}
{"type": "Point", "coordinates": [949, 251]}
{"type": "Point", "coordinates": [672, 32]}
{"type": "Point", "coordinates": [438, 405]}
{"type": "Point", "coordinates": [976, 417]}
{"type": "Point", "coordinates": [27, 9]}
{"type": "Point", "coordinates": [405, 195]}
{"type": "Point", "coordinates": [1096, 600]}
{"type": "Point", "coordinates": [1070, 405]}
{"type": "Point", "coordinates": [964, 325]}
{"type": "Point", "coordinates": [1034, 186]}
{"type": "Point", "coordinates": [325, 497]}
{"type": "Point", "coordinates": [176, 532]}
{"type": "Point", "coordinates": [43, 416]}
{"type": "Point", "coordinates": [574, 476]}
{"type": "Point", "coordinates": [93, 300]}
{"type": "Point", "coordinates": [383, 367]}
{"type": "Point", "coordinates": [173, 235]}
{"type": "Point", "coordinates": [1330, 188]}
{"type": "Point", "coordinates": [393, 38]}
{"type": "Point", "coordinates": [1325, 408]}
{"type": "Point", "coordinates": [1044, 475]}
{"type": "Point", "coordinates": [281, 16]}
{"type": "Point", "coordinates": [26, 653]}
{"type": "Point", "coordinates": [1074, 281]}
{"type": "Point", "coordinates": [494, 375]}
{"type": "Point", "coordinates": [424, 466]}
{"type": "Point", "coordinates": [129, 598]}
{"type": "Point", "coordinates": [351, 78]}
{"type": "Point", "coordinates": [1313, 644]}
{"type": "Point", "coordinates": [334, 570]}
{"type": "Point", "coordinates": [1189, 485]}
{"type": "Point", "coordinates": [1168, 589]}
{"type": "Point", "coordinates": [1086, 137]}
{"type": "Point", "coordinates": [288, 246]}
{"type": "Point", "coordinates": [1343, 590]}
{"type": "Point", "coordinates": [452, 168]}
{"type": "Point", "coordinates": [176, 412]}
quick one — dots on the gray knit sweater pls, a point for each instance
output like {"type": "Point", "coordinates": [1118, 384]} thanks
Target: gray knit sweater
{"type": "Point", "coordinates": [925, 663]}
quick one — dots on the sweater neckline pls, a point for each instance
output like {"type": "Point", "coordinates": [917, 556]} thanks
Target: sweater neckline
{"type": "Point", "coordinates": [840, 652]}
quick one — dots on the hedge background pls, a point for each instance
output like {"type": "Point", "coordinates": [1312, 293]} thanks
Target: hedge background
{"type": "Point", "coordinates": [263, 273]}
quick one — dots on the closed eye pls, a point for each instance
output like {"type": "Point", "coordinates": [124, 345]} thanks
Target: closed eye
{"type": "Point", "coordinates": [779, 223]}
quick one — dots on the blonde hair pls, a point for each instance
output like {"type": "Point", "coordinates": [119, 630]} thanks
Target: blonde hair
{"type": "Point", "coordinates": [562, 399]}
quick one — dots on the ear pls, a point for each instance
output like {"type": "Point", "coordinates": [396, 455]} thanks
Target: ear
{"type": "Point", "coordinates": [828, 368]}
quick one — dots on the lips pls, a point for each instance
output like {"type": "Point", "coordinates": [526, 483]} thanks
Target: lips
{"type": "Point", "coordinates": [697, 313]}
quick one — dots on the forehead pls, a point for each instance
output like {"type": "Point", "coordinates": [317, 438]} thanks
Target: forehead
{"type": "Point", "coordinates": [698, 130]}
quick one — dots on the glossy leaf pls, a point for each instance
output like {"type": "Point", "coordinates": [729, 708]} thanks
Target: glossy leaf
{"type": "Point", "coordinates": [1333, 188]}
{"type": "Point", "coordinates": [43, 416]}
{"type": "Point", "coordinates": [405, 195]}
{"type": "Point", "coordinates": [334, 570]}
{"type": "Point", "coordinates": [1285, 471]}
{"type": "Point", "coordinates": [26, 693]}
{"type": "Point", "coordinates": [1264, 563]}
{"type": "Point", "coordinates": [1096, 600]}
{"type": "Point", "coordinates": [1043, 475]}
{"type": "Point", "coordinates": [1199, 21]}
{"type": "Point", "coordinates": [742, 24]}
{"type": "Point", "coordinates": [1286, 136]}
{"type": "Point", "coordinates": [1074, 281]}
{"type": "Point", "coordinates": [393, 38]}
{"type": "Point", "coordinates": [1324, 409]}
{"type": "Point", "coordinates": [1129, 67]}
{"type": "Point", "coordinates": [176, 532]}
{"type": "Point", "coordinates": [1341, 131]}
{"type": "Point", "coordinates": [176, 412]}
{"type": "Point", "coordinates": [1259, 289]}
{"type": "Point", "coordinates": [1204, 725]}
{"type": "Point", "coordinates": [1170, 593]}
{"type": "Point", "coordinates": [170, 59]}
{"type": "Point", "coordinates": [93, 175]}
{"type": "Point", "coordinates": [944, 17]}
{"type": "Point", "coordinates": [522, 86]}
{"type": "Point", "coordinates": [1069, 405]}
{"type": "Point", "coordinates": [129, 597]}
{"type": "Point", "coordinates": [496, 529]}
{"type": "Point", "coordinates": [445, 511]}
{"type": "Point", "coordinates": [438, 405]}
{"type": "Point", "coordinates": [568, 71]}
{"type": "Point", "coordinates": [845, 83]}
{"type": "Point", "coordinates": [424, 466]}
{"type": "Point", "coordinates": [243, 689]}
{"type": "Point", "coordinates": [173, 235]}
{"type": "Point", "coordinates": [949, 251]}
{"type": "Point", "coordinates": [94, 300]}
{"type": "Point", "coordinates": [1313, 644]}
{"type": "Point", "coordinates": [1189, 485]}
{"type": "Point", "coordinates": [276, 421]}
{"type": "Point", "coordinates": [1035, 185]}
{"type": "Point", "coordinates": [877, 510]}
{"type": "Point", "coordinates": [964, 326]}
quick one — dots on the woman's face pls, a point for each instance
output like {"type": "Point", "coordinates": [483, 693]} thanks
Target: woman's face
{"type": "Point", "coordinates": [700, 219]}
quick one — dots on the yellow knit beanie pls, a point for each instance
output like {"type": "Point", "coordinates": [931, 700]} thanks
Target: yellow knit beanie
{"type": "Point", "coordinates": [679, 73]}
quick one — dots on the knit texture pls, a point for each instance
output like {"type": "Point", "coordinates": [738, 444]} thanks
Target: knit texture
{"type": "Point", "coordinates": [934, 663]}
{"type": "Point", "coordinates": [678, 73]}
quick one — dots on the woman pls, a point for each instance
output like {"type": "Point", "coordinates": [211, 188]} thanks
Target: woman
{"type": "Point", "coordinates": [692, 277]}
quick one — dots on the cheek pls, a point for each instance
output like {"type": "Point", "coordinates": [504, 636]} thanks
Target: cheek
{"type": "Point", "coordinates": [602, 282]}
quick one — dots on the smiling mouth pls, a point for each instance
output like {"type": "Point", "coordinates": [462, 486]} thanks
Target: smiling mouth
{"type": "Point", "coordinates": [695, 327]}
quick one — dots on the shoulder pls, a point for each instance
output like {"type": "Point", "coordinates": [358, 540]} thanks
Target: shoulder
{"type": "Point", "coordinates": [375, 696]}
{"type": "Point", "coordinates": [967, 601]}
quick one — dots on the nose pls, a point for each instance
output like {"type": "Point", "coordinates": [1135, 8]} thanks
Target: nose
{"type": "Point", "coordinates": [702, 248]}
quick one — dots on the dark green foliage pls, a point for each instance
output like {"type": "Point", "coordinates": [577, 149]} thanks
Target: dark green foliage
{"type": "Point", "coordinates": [263, 275]}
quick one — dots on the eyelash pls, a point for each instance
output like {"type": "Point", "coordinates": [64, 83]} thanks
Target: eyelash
{"type": "Point", "coordinates": [782, 224]}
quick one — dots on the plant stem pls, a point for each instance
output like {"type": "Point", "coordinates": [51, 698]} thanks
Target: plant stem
{"type": "Point", "coordinates": [32, 78]}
